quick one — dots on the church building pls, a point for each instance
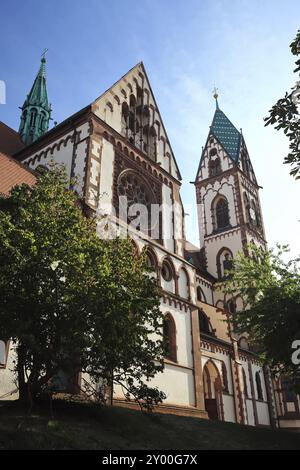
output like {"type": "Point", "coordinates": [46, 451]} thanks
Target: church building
{"type": "Point", "coordinates": [118, 146]}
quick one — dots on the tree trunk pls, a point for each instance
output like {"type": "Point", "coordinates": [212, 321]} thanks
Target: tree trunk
{"type": "Point", "coordinates": [23, 392]}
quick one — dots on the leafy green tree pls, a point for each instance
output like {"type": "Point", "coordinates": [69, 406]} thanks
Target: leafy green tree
{"type": "Point", "coordinates": [67, 296]}
{"type": "Point", "coordinates": [285, 115]}
{"type": "Point", "coordinates": [270, 289]}
{"type": "Point", "coordinates": [126, 343]}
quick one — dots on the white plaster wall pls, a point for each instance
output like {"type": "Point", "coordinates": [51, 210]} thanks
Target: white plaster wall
{"type": "Point", "coordinates": [168, 285]}
{"type": "Point", "coordinates": [263, 413]}
{"type": "Point", "coordinates": [177, 380]}
{"type": "Point", "coordinates": [8, 386]}
{"type": "Point", "coordinates": [249, 412]}
{"type": "Point", "coordinates": [167, 218]}
{"type": "Point", "coordinates": [230, 239]}
{"type": "Point", "coordinates": [207, 290]}
{"type": "Point", "coordinates": [178, 384]}
{"type": "Point", "coordinates": [225, 188]}
{"type": "Point", "coordinates": [61, 155]}
{"type": "Point", "coordinates": [183, 334]}
{"type": "Point", "coordinates": [81, 156]}
{"type": "Point", "coordinates": [106, 177]}
{"type": "Point", "coordinates": [229, 410]}
{"type": "Point", "coordinates": [183, 284]}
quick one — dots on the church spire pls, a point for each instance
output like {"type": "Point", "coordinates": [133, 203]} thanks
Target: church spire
{"type": "Point", "coordinates": [36, 110]}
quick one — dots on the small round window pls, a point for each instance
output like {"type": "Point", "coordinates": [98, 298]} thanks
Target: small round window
{"type": "Point", "coordinates": [166, 271]}
{"type": "Point", "coordinates": [213, 152]}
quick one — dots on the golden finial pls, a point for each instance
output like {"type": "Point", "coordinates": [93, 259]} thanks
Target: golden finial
{"type": "Point", "coordinates": [216, 95]}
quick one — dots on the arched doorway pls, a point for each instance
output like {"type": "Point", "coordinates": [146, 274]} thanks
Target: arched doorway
{"type": "Point", "coordinates": [213, 391]}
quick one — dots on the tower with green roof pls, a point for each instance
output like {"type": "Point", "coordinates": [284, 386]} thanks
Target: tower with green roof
{"type": "Point", "coordinates": [230, 216]}
{"type": "Point", "coordinates": [36, 110]}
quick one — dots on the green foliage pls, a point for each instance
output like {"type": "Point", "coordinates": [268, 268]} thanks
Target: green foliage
{"type": "Point", "coordinates": [270, 289]}
{"type": "Point", "coordinates": [285, 115]}
{"type": "Point", "coordinates": [71, 301]}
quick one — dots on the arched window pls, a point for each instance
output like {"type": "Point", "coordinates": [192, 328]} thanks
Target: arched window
{"type": "Point", "coordinates": [243, 343]}
{"type": "Point", "coordinates": [215, 167]}
{"type": "Point", "coordinates": [227, 263]}
{"type": "Point", "coordinates": [2, 353]}
{"type": "Point", "coordinates": [245, 163]}
{"type": "Point", "coordinates": [145, 139]}
{"type": "Point", "coordinates": [224, 262]}
{"type": "Point", "coordinates": [167, 271]}
{"type": "Point", "coordinates": [146, 116]}
{"type": "Point", "coordinates": [255, 216]}
{"type": "Point", "coordinates": [151, 259]}
{"type": "Point", "coordinates": [169, 338]}
{"type": "Point", "coordinates": [224, 377]}
{"type": "Point", "coordinates": [222, 214]}
{"type": "Point", "coordinates": [247, 208]}
{"type": "Point", "coordinates": [132, 189]}
{"type": "Point", "coordinates": [42, 121]}
{"type": "Point", "coordinates": [24, 116]}
{"type": "Point", "coordinates": [200, 295]}
{"type": "Point", "coordinates": [125, 114]}
{"type": "Point", "coordinates": [152, 144]}
{"type": "Point", "coordinates": [231, 307]}
{"type": "Point", "coordinates": [139, 94]}
{"type": "Point", "coordinates": [32, 117]}
{"type": "Point", "coordinates": [131, 119]}
{"type": "Point", "coordinates": [245, 382]}
{"type": "Point", "coordinates": [204, 324]}
{"type": "Point", "coordinates": [287, 392]}
{"type": "Point", "coordinates": [258, 386]}
{"type": "Point", "coordinates": [213, 152]}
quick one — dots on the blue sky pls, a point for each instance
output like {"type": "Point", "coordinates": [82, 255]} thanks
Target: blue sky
{"type": "Point", "coordinates": [187, 46]}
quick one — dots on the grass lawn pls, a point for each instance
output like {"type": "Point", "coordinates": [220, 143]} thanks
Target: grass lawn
{"type": "Point", "coordinates": [84, 426]}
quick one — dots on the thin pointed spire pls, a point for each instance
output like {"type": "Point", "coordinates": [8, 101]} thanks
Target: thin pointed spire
{"type": "Point", "coordinates": [36, 110]}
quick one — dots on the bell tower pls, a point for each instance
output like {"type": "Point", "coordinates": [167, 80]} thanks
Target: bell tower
{"type": "Point", "coordinates": [227, 194]}
{"type": "Point", "coordinates": [36, 110]}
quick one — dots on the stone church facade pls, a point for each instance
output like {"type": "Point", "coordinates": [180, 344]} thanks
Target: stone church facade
{"type": "Point", "coordinates": [118, 146]}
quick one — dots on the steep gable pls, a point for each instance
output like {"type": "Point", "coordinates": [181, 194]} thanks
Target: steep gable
{"type": "Point", "coordinates": [130, 108]}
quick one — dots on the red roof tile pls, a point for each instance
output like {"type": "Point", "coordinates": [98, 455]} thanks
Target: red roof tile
{"type": "Point", "coordinates": [10, 140]}
{"type": "Point", "coordinates": [13, 173]}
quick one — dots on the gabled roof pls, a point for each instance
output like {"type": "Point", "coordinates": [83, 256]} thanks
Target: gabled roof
{"type": "Point", "coordinates": [13, 173]}
{"type": "Point", "coordinates": [227, 134]}
{"type": "Point", "coordinates": [10, 140]}
{"type": "Point", "coordinates": [139, 67]}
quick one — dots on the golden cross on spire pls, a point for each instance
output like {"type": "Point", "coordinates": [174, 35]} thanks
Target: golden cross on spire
{"type": "Point", "coordinates": [216, 94]}
{"type": "Point", "coordinates": [44, 53]}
